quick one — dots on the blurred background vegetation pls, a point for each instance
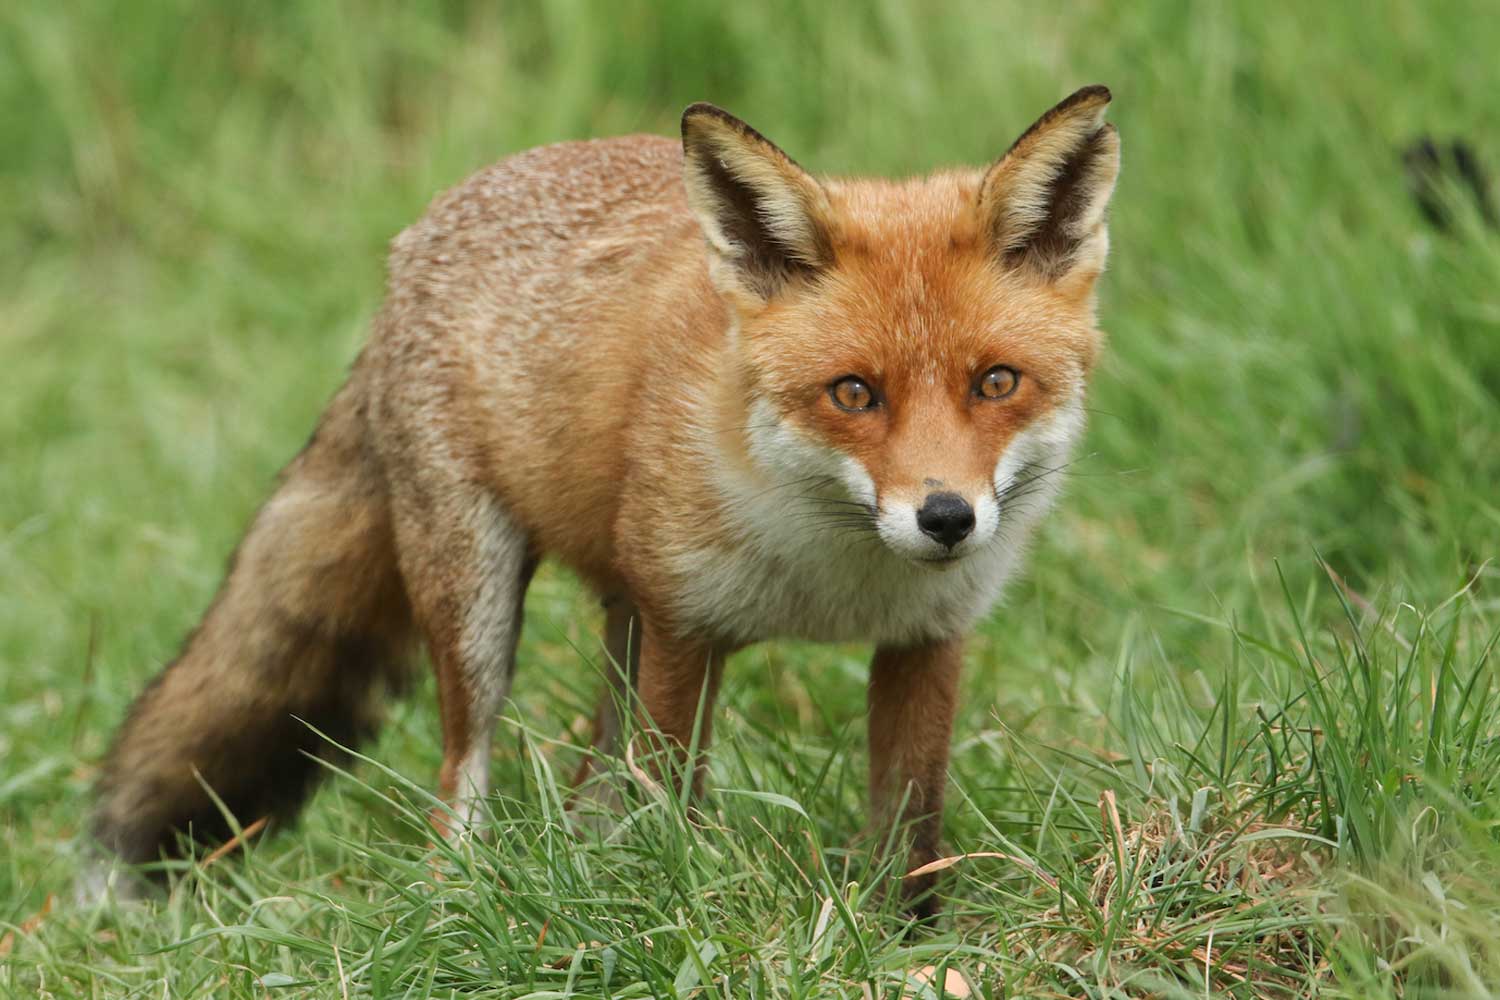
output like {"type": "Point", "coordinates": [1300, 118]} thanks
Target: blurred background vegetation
{"type": "Point", "coordinates": [195, 200]}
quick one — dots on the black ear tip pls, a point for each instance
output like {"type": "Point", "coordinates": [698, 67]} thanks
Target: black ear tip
{"type": "Point", "coordinates": [1092, 97]}
{"type": "Point", "coordinates": [1096, 93]}
{"type": "Point", "coordinates": [702, 109]}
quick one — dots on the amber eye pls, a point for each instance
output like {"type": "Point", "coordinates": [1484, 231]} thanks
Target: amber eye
{"type": "Point", "coordinates": [851, 393]}
{"type": "Point", "coordinates": [998, 382]}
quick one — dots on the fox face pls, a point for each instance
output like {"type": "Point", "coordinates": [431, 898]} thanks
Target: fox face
{"type": "Point", "coordinates": [915, 353]}
{"type": "Point", "coordinates": [931, 385]}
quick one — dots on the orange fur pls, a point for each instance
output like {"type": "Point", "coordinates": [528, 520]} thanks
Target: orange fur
{"type": "Point", "coordinates": [618, 354]}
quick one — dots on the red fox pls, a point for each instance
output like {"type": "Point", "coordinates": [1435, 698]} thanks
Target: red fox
{"type": "Point", "coordinates": [738, 401]}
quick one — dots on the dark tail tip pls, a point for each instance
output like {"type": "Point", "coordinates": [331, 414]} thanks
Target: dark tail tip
{"type": "Point", "coordinates": [261, 755]}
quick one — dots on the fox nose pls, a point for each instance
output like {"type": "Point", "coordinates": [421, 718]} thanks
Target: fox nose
{"type": "Point", "coordinates": [946, 517]}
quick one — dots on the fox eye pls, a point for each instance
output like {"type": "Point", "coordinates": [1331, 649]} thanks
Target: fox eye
{"type": "Point", "coordinates": [998, 382]}
{"type": "Point", "coordinates": [851, 393]}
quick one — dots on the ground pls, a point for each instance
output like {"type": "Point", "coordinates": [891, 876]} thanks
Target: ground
{"type": "Point", "coordinates": [1236, 731]}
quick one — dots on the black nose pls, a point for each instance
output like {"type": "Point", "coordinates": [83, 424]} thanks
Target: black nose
{"type": "Point", "coordinates": [946, 517]}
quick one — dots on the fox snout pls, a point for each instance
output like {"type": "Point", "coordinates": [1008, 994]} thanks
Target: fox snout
{"type": "Point", "coordinates": [946, 518]}
{"type": "Point", "coordinates": [939, 525]}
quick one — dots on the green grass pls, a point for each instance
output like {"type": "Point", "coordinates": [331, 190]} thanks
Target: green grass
{"type": "Point", "coordinates": [1210, 768]}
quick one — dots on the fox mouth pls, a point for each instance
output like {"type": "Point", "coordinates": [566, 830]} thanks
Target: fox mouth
{"type": "Point", "coordinates": [940, 562]}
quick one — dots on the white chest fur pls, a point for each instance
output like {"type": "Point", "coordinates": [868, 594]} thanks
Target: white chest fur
{"type": "Point", "coordinates": [795, 579]}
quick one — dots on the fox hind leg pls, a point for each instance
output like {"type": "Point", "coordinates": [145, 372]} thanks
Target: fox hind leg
{"type": "Point", "coordinates": [466, 563]}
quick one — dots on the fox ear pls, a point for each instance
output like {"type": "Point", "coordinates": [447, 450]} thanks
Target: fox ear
{"type": "Point", "coordinates": [1043, 203]}
{"type": "Point", "coordinates": [765, 218]}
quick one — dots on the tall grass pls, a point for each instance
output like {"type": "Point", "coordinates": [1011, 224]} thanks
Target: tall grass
{"type": "Point", "coordinates": [1236, 734]}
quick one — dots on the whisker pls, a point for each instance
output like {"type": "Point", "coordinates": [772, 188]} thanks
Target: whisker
{"type": "Point", "coordinates": [782, 486]}
{"type": "Point", "coordinates": [846, 512]}
{"type": "Point", "coordinates": [738, 504]}
{"type": "Point", "coordinates": [1020, 480]}
{"type": "Point", "coordinates": [852, 538]}
{"type": "Point", "coordinates": [846, 506]}
{"type": "Point", "coordinates": [1027, 482]}
{"type": "Point", "coordinates": [834, 500]}
{"type": "Point", "coordinates": [860, 525]}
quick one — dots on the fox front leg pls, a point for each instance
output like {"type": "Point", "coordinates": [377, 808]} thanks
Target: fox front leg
{"type": "Point", "coordinates": [677, 682]}
{"type": "Point", "coordinates": [913, 692]}
{"type": "Point", "coordinates": [622, 648]}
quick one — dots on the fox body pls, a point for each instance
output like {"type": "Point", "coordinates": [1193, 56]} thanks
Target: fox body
{"type": "Point", "coordinates": [738, 401]}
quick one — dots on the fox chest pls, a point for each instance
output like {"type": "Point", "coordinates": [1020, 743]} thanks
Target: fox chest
{"type": "Point", "coordinates": [854, 592]}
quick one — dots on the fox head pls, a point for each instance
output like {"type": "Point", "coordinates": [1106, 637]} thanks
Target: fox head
{"type": "Point", "coordinates": [914, 352]}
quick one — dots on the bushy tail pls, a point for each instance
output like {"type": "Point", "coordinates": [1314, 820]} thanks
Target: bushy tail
{"type": "Point", "coordinates": [311, 622]}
